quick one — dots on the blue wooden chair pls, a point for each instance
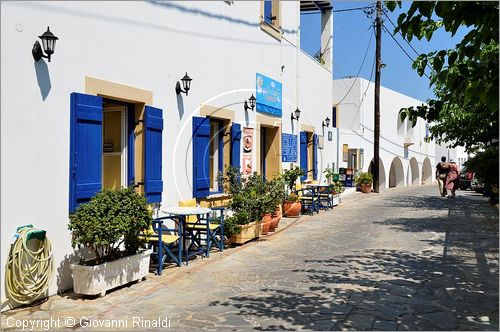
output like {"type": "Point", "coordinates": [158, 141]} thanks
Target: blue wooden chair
{"type": "Point", "coordinates": [325, 197]}
{"type": "Point", "coordinates": [165, 242]}
{"type": "Point", "coordinates": [309, 199]}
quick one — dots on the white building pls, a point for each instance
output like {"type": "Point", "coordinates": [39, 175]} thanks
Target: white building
{"type": "Point", "coordinates": [405, 157]}
{"type": "Point", "coordinates": [104, 111]}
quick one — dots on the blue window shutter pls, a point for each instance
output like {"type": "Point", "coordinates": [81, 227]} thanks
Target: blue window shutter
{"type": "Point", "coordinates": [85, 148]}
{"type": "Point", "coordinates": [268, 11]}
{"type": "Point", "coordinates": [315, 157]}
{"type": "Point", "coordinates": [153, 124]}
{"type": "Point", "coordinates": [303, 154]}
{"type": "Point", "coordinates": [236, 145]}
{"type": "Point", "coordinates": [201, 151]}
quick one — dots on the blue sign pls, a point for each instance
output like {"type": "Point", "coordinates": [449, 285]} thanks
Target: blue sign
{"type": "Point", "coordinates": [288, 148]}
{"type": "Point", "coordinates": [268, 95]}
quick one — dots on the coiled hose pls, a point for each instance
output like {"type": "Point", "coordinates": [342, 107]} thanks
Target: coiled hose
{"type": "Point", "coordinates": [29, 272]}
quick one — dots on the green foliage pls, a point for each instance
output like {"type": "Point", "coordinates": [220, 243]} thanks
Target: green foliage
{"type": "Point", "coordinates": [363, 178]}
{"type": "Point", "coordinates": [485, 165]}
{"type": "Point", "coordinates": [338, 187]}
{"type": "Point", "coordinates": [465, 78]}
{"type": "Point", "coordinates": [329, 173]}
{"type": "Point", "coordinates": [290, 176]}
{"type": "Point", "coordinates": [292, 198]}
{"type": "Point", "coordinates": [251, 198]}
{"type": "Point", "coordinates": [110, 219]}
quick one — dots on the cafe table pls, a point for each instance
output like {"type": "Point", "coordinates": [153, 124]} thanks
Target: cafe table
{"type": "Point", "coordinates": [181, 213]}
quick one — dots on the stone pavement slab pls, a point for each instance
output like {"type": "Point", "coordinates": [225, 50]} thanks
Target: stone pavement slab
{"type": "Point", "coordinates": [403, 259]}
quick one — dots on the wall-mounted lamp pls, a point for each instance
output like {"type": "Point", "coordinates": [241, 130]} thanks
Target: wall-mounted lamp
{"type": "Point", "coordinates": [297, 114]}
{"type": "Point", "coordinates": [251, 102]}
{"type": "Point", "coordinates": [326, 123]}
{"type": "Point", "coordinates": [186, 85]}
{"type": "Point", "coordinates": [49, 44]}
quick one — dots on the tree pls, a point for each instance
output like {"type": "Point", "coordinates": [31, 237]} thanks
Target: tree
{"type": "Point", "coordinates": [465, 78]}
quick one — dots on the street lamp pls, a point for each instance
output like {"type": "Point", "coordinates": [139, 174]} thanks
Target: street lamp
{"type": "Point", "coordinates": [49, 45]}
{"type": "Point", "coordinates": [326, 123]}
{"type": "Point", "coordinates": [297, 115]}
{"type": "Point", "coordinates": [186, 85]}
{"type": "Point", "coordinates": [251, 101]}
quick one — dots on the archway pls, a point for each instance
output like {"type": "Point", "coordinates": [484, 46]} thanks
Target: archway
{"type": "Point", "coordinates": [396, 173]}
{"type": "Point", "coordinates": [414, 172]}
{"type": "Point", "coordinates": [426, 171]}
{"type": "Point", "coordinates": [381, 173]}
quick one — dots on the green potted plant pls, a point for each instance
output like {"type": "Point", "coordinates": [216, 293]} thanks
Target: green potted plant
{"type": "Point", "coordinates": [364, 180]}
{"type": "Point", "coordinates": [276, 193]}
{"type": "Point", "coordinates": [329, 174]}
{"type": "Point", "coordinates": [291, 205]}
{"type": "Point", "coordinates": [110, 226]}
{"type": "Point", "coordinates": [248, 204]}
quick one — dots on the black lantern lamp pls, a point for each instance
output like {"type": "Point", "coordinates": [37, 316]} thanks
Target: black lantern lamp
{"type": "Point", "coordinates": [251, 102]}
{"type": "Point", "coordinates": [49, 45]}
{"type": "Point", "coordinates": [326, 123]}
{"type": "Point", "coordinates": [186, 85]}
{"type": "Point", "coordinates": [297, 114]}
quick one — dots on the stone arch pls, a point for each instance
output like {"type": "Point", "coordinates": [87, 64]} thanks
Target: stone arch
{"type": "Point", "coordinates": [426, 171]}
{"type": "Point", "coordinates": [396, 173]}
{"type": "Point", "coordinates": [414, 172]}
{"type": "Point", "coordinates": [381, 173]}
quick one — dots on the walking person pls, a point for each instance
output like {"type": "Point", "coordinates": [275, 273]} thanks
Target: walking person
{"type": "Point", "coordinates": [441, 173]}
{"type": "Point", "coordinates": [452, 178]}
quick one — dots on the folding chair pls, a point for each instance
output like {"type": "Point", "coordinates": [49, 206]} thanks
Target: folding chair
{"type": "Point", "coordinates": [309, 199]}
{"type": "Point", "coordinates": [325, 197]}
{"type": "Point", "coordinates": [164, 249]}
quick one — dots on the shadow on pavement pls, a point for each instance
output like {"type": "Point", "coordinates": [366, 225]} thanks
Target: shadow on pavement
{"type": "Point", "coordinates": [391, 289]}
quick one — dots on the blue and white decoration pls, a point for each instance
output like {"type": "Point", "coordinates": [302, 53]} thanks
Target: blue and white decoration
{"type": "Point", "coordinates": [269, 99]}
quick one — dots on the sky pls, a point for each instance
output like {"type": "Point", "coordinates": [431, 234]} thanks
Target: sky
{"type": "Point", "coordinates": [351, 36]}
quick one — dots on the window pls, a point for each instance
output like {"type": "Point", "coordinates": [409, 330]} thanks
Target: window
{"type": "Point", "coordinates": [270, 13]}
{"type": "Point", "coordinates": [103, 148]}
{"type": "Point", "coordinates": [216, 144]}
{"type": "Point", "coordinates": [216, 155]}
{"type": "Point", "coordinates": [309, 155]}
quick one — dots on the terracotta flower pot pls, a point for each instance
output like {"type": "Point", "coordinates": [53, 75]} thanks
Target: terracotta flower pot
{"type": "Point", "coordinates": [366, 188]}
{"type": "Point", "coordinates": [266, 224]}
{"type": "Point", "coordinates": [278, 211]}
{"type": "Point", "coordinates": [292, 209]}
{"type": "Point", "coordinates": [274, 223]}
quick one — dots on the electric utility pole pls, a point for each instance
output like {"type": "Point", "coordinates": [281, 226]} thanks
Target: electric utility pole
{"type": "Point", "coordinates": [376, 132]}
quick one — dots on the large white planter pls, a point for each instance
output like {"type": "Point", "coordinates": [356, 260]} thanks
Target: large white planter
{"type": "Point", "coordinates": [336, 200]}
{"type": "Point", "coordinates": [97, 279]}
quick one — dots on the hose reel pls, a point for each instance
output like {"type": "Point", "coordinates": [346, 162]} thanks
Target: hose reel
{"type": "Point", "coordinates": [30, 267]}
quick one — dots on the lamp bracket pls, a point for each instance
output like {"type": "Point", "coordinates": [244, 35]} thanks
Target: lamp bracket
{"type": "Point", "coordinates": [37, 51]}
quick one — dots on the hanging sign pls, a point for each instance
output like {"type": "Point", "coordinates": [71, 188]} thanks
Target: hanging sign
{"type": "Point", "coordinates": [268, 95]}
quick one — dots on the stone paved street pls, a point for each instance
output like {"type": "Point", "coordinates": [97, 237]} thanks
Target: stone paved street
{"type": "Point", "coordinates": [403, 259]}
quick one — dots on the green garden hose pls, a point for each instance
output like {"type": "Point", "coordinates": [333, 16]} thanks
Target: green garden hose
{"type": "Point", "coordinates": [29, 272]}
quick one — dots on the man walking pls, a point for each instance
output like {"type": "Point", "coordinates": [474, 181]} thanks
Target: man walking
{"type": "Point", "coordinates": [441, 172]}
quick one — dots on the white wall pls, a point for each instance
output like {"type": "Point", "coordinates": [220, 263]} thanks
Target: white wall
{"type": "Point", "coordinates": [142, 44]}
{"type": "Point", "coordinates": [357, 122]}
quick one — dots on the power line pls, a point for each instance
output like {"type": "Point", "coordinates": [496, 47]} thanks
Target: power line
{"type": "Point", "coordinates": [350, 9]}
{"type": "Point", "coordinates": [359, 71]}
{"type": "Point", "coordinates": [407, 42]}
{"type": "Point", "coordinates": [401, 47]}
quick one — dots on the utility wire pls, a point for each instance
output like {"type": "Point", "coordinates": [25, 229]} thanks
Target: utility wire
{"type": "Point", "coordinates": [414, 50]}
{"type": "Point", "coordinates": [359, 71]}
{"type": "Point", "coordinates": [337, 11]}
{"type": "Point", "coordinates": [401, 47]}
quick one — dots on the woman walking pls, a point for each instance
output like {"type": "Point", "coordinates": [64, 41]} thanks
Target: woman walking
{"type": "Point", "coordinates": [452, 178]}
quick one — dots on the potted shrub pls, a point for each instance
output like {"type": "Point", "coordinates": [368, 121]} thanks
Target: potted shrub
{"type": "Point", "coordinates": [109, 226]}
{"type": "Point", "coordinates": [338, 189]}
{"type": "Point", "coordinates": [291, 205]}
{"type": "Point", "coordinates": [329, 174]}
{"type": "Point", "coordinates": [276, 194]}
{"type": "Point", "coordinates": [249, 203]}
{"type": "Point", "coordinates": [364, 180]}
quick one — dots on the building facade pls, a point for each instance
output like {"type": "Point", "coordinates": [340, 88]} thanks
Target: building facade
{"type": "Point", "coordinates": [406, 157]}
{"type": "Point", "coordinates": [105, 113]}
